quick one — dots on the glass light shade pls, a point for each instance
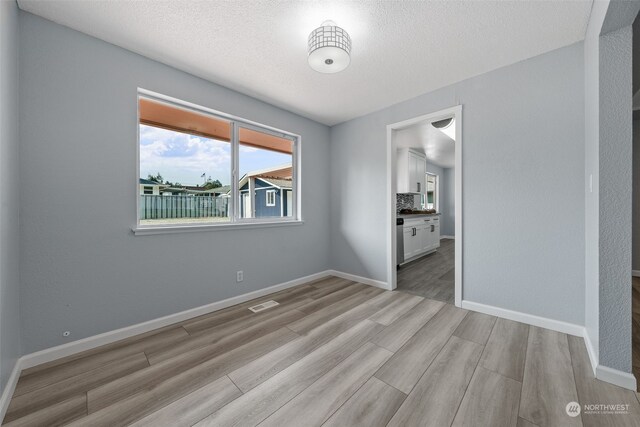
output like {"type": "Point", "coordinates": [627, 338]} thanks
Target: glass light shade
{"type": "Point", "coordinates": [329, 48]}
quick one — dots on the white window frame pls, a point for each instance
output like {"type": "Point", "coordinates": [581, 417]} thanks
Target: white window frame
{"type": "Point", "coordinates": [436, 191]}
{"type": "Point", "coordinates": [235, 221]}
{"type": "Point", "coordinates": [270, 193]}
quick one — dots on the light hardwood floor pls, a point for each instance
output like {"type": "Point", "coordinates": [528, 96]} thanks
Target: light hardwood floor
{"type": "Point", "coordinates": [332, 353]}
{"type": "Point", "coordinates": [432, 276]}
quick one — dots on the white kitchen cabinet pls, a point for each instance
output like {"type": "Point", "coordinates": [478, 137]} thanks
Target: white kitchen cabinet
{"type": "Point", "coordinates": [412, 169]}
{"type": "Point", "coordinates": [421, 236]}
{"type": "Point", "coordinates": [427, 237]}
{"type": "Point", "coordinates": [433, 233]}
{"type": "Point", "coordinates": [412, 241]}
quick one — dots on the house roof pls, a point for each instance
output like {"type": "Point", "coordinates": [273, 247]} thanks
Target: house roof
{"type": "Point", "coordinates": [280, 171]}
{"type": "Point", "coordinates": [220, 190]}
{"type": "Point", "coordinates": [148, 182]}
{"type": "Point", "coordinates": [198, 190]}
{"type": "Point", "coordinates": [281, 183]}
{"type": "Point", "coordinates": [281, 174]}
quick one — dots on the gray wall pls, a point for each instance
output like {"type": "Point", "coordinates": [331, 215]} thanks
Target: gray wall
{"type": "Point", "coordinates": [448, 190]}
{"type": "Point", "coordinates": [523, 128]}
{"type": "Point", "coordinates": [608, 162]}
{"type": "Point", "coordinates": [615, 162]}
{"type": "Point", "coordinates": [635, 262]}
{"type": "Point", "coordinates": [84, 270]}
{"type": "Point", "coordinates": [635, 255]}
{"type": "Point", "coordinates": [10, 346]}
{"type": "Point", "coordinates": [431, 168]}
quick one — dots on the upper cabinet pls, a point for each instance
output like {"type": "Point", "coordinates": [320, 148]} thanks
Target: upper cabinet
{"type": "Point", "coordinates": [412, 168]}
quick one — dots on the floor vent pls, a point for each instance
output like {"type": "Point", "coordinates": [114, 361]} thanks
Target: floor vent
{"type": "Point", "coordinates": [263, 306]}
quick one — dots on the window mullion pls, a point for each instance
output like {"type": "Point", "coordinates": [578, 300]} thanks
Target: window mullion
{"type": "Point", "coordinates": [235, 178]}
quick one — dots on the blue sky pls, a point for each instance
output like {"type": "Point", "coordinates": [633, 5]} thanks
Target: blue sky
{"type": "Point", "coordinates": [184, 158]}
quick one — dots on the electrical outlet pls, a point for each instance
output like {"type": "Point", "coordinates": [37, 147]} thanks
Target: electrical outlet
{"type": "Point", "coordinates": [239, 276]}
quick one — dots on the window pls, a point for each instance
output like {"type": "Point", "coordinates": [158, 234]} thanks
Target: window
{"type": "Point", "coordinates": [265, 161]}
{"type": "Point", "coordinates": [271, 197]}
{"type": "Point", "coordinates": [430, 198]}
{"type": "Point", "coordinates": [204, 167]}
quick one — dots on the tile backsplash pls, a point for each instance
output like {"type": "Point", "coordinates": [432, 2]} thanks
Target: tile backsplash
{"type": "Point", "coordinates": [405, 201]}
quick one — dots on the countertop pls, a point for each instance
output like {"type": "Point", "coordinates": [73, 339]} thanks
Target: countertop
{"type": "Point", "coordinates": [409, 216]}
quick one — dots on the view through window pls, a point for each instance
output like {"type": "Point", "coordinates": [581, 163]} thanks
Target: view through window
{"type": "Point", "coordinates": [266, 183]}
{"type": "Point", "coordinates": [186, 163]}
{"type": "Point", "coordinates": [430, 198]}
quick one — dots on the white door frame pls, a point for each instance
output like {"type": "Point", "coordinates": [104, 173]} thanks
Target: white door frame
{"type": "Point", "coordinates": [392, 276]}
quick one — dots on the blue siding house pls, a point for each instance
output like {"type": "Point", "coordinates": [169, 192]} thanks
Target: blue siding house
{"type": "Point", "coordinates": [273, 197]}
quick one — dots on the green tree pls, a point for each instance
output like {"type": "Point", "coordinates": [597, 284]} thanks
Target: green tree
{"type": "Point", "coordinates": [156, 178]}
{"type": "Point", "coordinates": [212, 184]}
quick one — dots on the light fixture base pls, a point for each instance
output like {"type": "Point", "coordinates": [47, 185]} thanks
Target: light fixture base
{"type": "Point", "coordinates": [329, 48]}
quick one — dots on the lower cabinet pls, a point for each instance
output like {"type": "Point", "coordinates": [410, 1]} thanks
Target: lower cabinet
{"type": "Point", "coordinates": [431, 237]}
{"type": "Point", "coordinates": [412, 241]}
{"type": "Point", "coordinates": [427, 238]}
{"type": "Point", "coordinates": [421, 236]}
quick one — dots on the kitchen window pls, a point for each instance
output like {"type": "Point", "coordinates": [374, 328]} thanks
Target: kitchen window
{"type": "Point", "coordinates": [430, 199]}
{"type": "Point", "coordinates": [206, 168]}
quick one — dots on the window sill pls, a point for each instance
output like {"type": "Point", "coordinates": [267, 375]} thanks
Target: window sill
{"type": "Point", "coordinates": [142, 230]}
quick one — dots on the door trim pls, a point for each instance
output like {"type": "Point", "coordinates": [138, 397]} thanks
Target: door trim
{"type": "Point", "coordinates": [392, 276]}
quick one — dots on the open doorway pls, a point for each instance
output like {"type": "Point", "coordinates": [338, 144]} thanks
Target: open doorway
{"type": "Point", "coordinates": [425, 205]}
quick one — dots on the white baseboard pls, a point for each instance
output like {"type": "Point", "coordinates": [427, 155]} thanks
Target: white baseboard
{"type": "Point", "coordinates": [619, 378]}
{"type": "Point", "coordinates": [64, 350]}
{"type": "Point", "coordinates": [529, 319]}
{"type": "Point", "coordinates": [5, 399]}
{"type": "Point", "coordinates": [371, 282]}
{"type": "Point", "coordinates": [448, 237]}
{"type": "Point", "coordinates": [635, 273]}
{"type": "Point", "coordinates": [591, 351]}
{"type": "Point", "coordinates": [603, 373]}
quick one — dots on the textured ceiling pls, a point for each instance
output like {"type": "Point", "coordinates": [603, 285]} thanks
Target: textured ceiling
{"type": "Point", "coordinates": [401, 49]}
{"type": "Point", "coordinates": [438, 147]}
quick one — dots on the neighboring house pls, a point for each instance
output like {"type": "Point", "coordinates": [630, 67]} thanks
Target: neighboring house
{"type": "Point", "coordinates": [150, 188]}
{"type": "Point", "coordinates": [199, 191]}
{"type": "Point", "coordinates": [223, 191]}
{"type": "Point", "coordinates": [273, 193]}
{"type": "Point", "coordinates": [273, 197]}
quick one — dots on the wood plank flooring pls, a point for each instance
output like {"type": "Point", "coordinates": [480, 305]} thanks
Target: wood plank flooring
{"type": "Point", "coordinates": [432, 276]}
{"type": "Point", "coordinates": [333, 353]}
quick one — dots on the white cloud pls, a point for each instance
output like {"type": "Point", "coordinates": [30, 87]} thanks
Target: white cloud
{"type": "Point", "coordinates": [247, 149]}
{"type": "Point", "coordinates": [181, 157]}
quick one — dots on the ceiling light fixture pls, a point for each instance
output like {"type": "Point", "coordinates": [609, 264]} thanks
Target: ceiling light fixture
{"type": "Point", "coordinates": [442, 124]}
{"type": "Point", "coordinates": [445, 127]}
{"type": "Point", "coordinates": [329, 48]}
